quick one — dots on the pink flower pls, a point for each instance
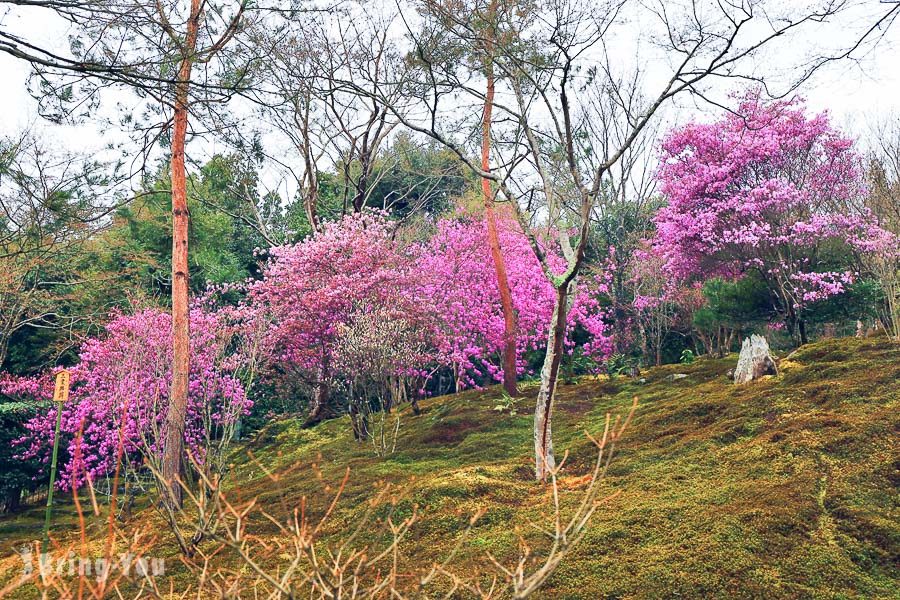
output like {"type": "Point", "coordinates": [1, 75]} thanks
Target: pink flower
{"type": "Point", "coordinates": [764, 188]}
{"type": "Point", "coordinates": [122, 382]}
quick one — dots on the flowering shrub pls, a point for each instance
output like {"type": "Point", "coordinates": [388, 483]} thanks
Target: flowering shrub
{"type": "Point", "coordinates": [312, 292]}
{"type": "Point", "coordinates": [443, 289]}
{"type": "Point", "coordinates": [121, 383]}
{"type": "Point", "coordinates": [765, 188]}
{"type": "Point", "coordinates": [38, 388]}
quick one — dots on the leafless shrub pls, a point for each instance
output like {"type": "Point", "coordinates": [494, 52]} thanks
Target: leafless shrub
{"type": "Point", "coordinates": [245, 550]}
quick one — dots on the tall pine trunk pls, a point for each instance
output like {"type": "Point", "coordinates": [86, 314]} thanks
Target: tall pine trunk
{"type": "Point", "coordinates": [544, 461]}
{"type": "Point", "coordinates": [173, 452]}
{"type": "Point", "coordinates": [509, 315]}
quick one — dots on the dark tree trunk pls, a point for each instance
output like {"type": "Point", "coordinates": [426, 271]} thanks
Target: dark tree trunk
{"type": "Point", "coordinates": [320, 408]}
{"type": "Point", "coordinates": [359, 422]}
{"type": "Point", "coordinates": [645, 346]}
{"type": "Point", "coordinates": [13, 500]}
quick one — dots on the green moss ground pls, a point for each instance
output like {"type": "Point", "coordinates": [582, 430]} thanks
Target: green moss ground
{"type": "Point", "coordinates": [784, 488]}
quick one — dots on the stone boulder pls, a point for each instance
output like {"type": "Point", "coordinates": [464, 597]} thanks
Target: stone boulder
{"type": "Point", "coordinates": [755, 360]}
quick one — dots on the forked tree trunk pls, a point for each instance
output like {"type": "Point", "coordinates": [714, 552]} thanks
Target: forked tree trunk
{"type": "Point", "coordinates": [509, 315]}
{"type": "Point", "coordinates": [728, 340]}
{"type": "Point", "coordinates": [544, 462]}
{"type": "Point", "coordinates": [173, 451]}
{"type": "Point", "coordinates": [311, 201]}
{"type": "Point", "coordinates": [705, 342]}
{"type": "Point", "coordinates": [310, 174]}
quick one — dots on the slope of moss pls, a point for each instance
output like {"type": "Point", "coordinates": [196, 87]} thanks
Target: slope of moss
{"type": "Point", "coordinates": [784, 488]}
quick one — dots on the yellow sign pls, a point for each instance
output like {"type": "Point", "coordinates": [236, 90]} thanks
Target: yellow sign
{"type": "Point", "coordinates": [61, 391]}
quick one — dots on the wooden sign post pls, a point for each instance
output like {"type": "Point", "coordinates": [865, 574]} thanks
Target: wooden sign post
{"type": "Point", "coordinates": [60, 396]}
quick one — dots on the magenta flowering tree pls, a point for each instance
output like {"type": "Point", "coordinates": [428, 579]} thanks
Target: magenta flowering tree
{"type": "Point", "coordinates": [462, 285]}
{"type": "Point", "coordinates": [26, 388]}
{"type": "Point", "coordinates": [120, 395]}
{"type": "Point", "coordinates": [352, 307]}
{"type": "Point", "coordinates": [311, 291]}
{"type": "Point", "coordinates": [770, 189]}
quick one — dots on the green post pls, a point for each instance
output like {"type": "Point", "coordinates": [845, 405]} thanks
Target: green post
{"type": "Point", "coordinates": [60, 395]}
{"type": "Point", "coordinates": [52, 477]}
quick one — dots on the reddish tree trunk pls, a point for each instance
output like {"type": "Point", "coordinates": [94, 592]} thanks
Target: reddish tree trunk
{"type": "Point", "coordinates": [509, 315]}
{"type": "Point", "coordinates": [173, 452]}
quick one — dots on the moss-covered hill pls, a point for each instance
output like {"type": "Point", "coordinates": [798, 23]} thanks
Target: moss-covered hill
{"type": "Point", "coordinates": [784, 488]}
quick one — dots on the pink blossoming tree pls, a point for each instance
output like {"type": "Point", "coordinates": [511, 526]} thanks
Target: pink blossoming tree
{"type": "Point", "coordinates": [332, 299]}
{"type": "Point", "coordinates": [770, 189]}
{"type": "Point", "coordinates": [311, 291]}
{"type": "Point", "coordinates": [462, 284]}
{"type": "Point", "coordinates": [120, 396]}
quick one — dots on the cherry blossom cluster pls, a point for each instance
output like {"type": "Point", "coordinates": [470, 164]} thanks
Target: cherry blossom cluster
{"type": "Point", "coordinates": [443, 288]}
{"type": "Point", "coordinates": [120, 389]}
{"type": "Point", "coordinates": [766, 188]}
{"type": "Point", "coordinates": [26, 388]}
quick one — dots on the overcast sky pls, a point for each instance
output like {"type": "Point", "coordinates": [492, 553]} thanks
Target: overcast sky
{"type": "Point", "coordinates": [856, 93]}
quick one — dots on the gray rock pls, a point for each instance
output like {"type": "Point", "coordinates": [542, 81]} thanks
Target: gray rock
{"type": "Point", "coordinates": [677, 376]}
{"type": "Point", "coordinates": [755, 360]}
